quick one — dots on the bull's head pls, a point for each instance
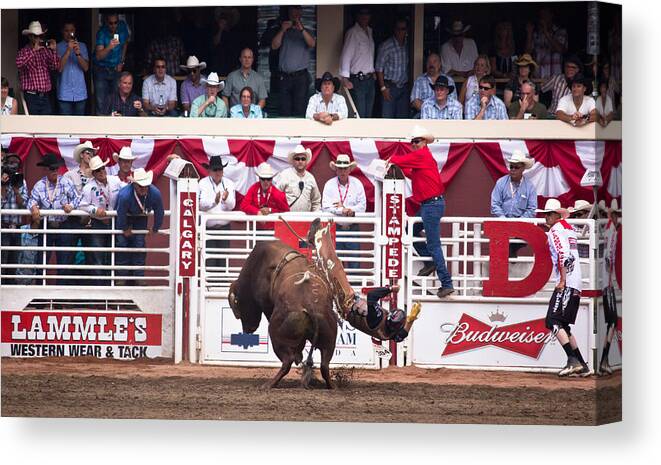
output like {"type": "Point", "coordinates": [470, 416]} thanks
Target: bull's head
{"type": "Point", "coordinates": [250, 317]}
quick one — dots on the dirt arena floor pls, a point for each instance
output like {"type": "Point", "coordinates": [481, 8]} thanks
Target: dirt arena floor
{"type": "Point", "coordinates": [112, 389]}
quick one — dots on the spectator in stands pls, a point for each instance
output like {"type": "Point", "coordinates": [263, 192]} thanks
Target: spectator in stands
{"type": "Point", "coordinates": [159, 91]}
{"type": "Point", "coordinates": [485, 104]}
{"type": "Point", "coordinates": [246, 109]}
{"type": "Point", "coordinates": [55, 192]}
{"type": "Point", "coordinates": [74, 63]}
{"type": "Point", "coordinates": [124, 166]}
{"type": "Point", "coordinates": [604, 105]}
{"type": "Point", "coordinates": [8, 104]}
{"type": "Point", "coordinates": [421, 87]}
{"type": "Point", "coordinates": [134, 203]}
{"type": "Point", "coordinates": [217, 195]}
{"type": "Point", "coordinates": [357, 63]}
{"type": "Point", "coordinates": [344, 195]}
{"type": "Point", "coordinates": [263, 198]}
{"type": "Point", "coordinates": [123, 101]}
{"type": "Point", "coordinates": [481, 68]}
{"type": "Point", "coordinates": [294, 43]}
{"type": "Point", "coordinates": [503, 51]}
{"type": "Point", "coordinates": [577, 108]}
{"type": "Point", "coordinates": [514, 196]}
{"type": "Point", "coordinates": [392, 70]}
{"type": "Point", "coordinates": [82, 174]}
{"type": "Point", "coordinates": [441, 106]}
{"type": "Point", "coordinates": [166, 44]}
{"type": "Point", "coordinates": [326, 106]}
{"type": "Point", "coordinates": [193, 86]}
{"type": "Point", "coordinates": [225, 46]}
{"type": "Point", "coordinates": [244, 77]}
{"type": "Point", "coordinates": [526, 107]}
{"type": "Point", "coordinates": [99, 196]}
{"type": "Point", "coordinates": [14, 195]}
{"type": "Point", "coordinates": [298, 184]}
{"type": "Point", "coordinates": [614, 89]}
{"type": "Point", "coordinates": [559, 84]}
{"type": "Point", "coordinates": [548, 43]}
{"type": "Point", "coordinates": [526, 67]}
{"type": "Point", "coordinates": [108, 61]}
{"type": "Point", "coordinates": [458, 54]}
{"type": "Point", "coordinates": [210, 105]}
{"type": "Point", "coordinates": [35, 62]}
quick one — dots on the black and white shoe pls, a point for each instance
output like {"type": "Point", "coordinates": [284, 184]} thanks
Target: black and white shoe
{"type": "Point", "coordinates": [584, 372]}
{"type": "Point", "coordinates": [573, 366]}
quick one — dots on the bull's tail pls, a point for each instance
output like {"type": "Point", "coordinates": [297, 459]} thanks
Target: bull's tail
{"type": "Point", "coordinates": [308, 366]}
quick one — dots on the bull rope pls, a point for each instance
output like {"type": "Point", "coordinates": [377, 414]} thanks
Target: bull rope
{"type": "Point", "coordinates": [292, 229]}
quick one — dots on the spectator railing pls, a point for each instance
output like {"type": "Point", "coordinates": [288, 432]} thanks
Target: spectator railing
{"type": "Point", "coordinates": [36, 272]}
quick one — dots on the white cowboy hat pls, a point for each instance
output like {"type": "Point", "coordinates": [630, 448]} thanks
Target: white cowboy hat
{"type": "Point", "coordinates": [143, 178]}
{"type": "Point", "coordinates": [299, 150]}
{"type": "Point", "coordinates": [343, 161]}
{"type": "Point", "coordinates": [193, 62]}
{"type": "Point", "coordinates": [213, 80]}
{"type": "Point", "coordinates": [420, 132]}
{"type": "Point", "coordinates": [34, 28]}
{"type": "Point", "coordinates": [96, 163]}
{"type": "Point", "coordinates": [87, 145]}
{"type": "Point", "coordinates": [124, 154]}
{"type": "Point", "coordinates": [553, 206]}
{"type": "Point", "coordinates": [265, 171]}
{"type": "Point", "coordinates": [580, 205]}
{"type": "Point", "coordinates": [519, 157]}
{"type": "Point", "coordinates": [457, 28]}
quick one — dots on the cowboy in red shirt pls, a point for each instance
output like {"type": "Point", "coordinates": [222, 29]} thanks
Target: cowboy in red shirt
{"type": "Point", "coordinates": [263, 198]}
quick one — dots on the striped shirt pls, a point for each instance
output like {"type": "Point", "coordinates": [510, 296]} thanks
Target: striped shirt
{"type": "Point", "coordinates": [337, 105]}
{"type": "Point", "coordinates": [34, 68]}
{"type": "Point", "coordinates": [495, 108]}
{"type": "Point", "coordinates": [558, 87]}
{"type": "Point", "coordinates": [393, 60]}
{"type": "Point", "coordinates": [9, 202]}
{"type": "Point", "coordinates": [47, 196]}
{"type": "Point", "coordinates": [431, 110]}
{"type": "Point", "coordinates": [422, 87]}
{"type": "Point", "coordinates": [549, 63]}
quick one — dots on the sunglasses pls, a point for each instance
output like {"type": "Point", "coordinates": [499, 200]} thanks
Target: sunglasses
{"type": "Point", "coordinates": [266, 179]}
{"type": "Point", "coordinates": [417, 140]}
{"type": "Point", "coordinates": [300, 159]}
{"type": "Point", "coordinates": [485, 88]}
{"type": "Point", "coordinates": [516, 167]}
{"type": "Point", "coordinates": [53, 168]}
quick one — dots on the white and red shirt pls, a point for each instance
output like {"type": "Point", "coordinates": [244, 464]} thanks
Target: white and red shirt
{"type": "Point", "coordinates": [608, 261]}
{"type": "Point", "coordinates": [563, 245]}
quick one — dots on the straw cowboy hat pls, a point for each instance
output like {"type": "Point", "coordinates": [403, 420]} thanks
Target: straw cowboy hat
{"type": "Point", "coordinates": [124, 154]}
{"type": "Point", "coordinates": [580, 205]}
{"type": "Point", "coordinates": [519, 157]}
{"type": "Point", "coordinates": [553, 206]}
{"type": "Point", "coordinates": [96, 163]}
{"type": "Point", "coordinates": [458, 28]}
{"type": "Point", "coordinates": [213, 80]}
{"type": "Point", "coordinates": [343, 161]}
{"type": "Point", "coordinates": [526, 60]}
{"type": "Point", "coordinates": [143, 178]}
{"type": "Point", "coordinates": [422, 133]}
{"type": "Point", "coordinates": [215, 162]}
{"type": "Point", "coordinates": [265, 171]}
{"type": "Point", "coordinates": [87, 145]}
{"type": "Point", "coordinates": [299, 150]}
{"type": "Point", "coordinates": [50, 160]}
{"type": "Point", "coordinates": [193, 62]}
{"type": "Point", "coordinates": [35, 29]}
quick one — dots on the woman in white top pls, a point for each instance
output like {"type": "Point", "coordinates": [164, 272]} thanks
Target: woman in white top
{"type": "Point", "coordinates": [481, 68]}
{"type": "Point", "coordinates": [604, 105]}
{"type": "Point", "coordinates": [9, 106]}
{"type": "Point", "coordinates": [577, 108]}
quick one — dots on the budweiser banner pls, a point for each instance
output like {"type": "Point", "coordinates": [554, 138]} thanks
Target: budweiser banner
{"type": "Point", "coordinates": [491, 335]}
{"type": "Point", "coordinates": [81, 334]}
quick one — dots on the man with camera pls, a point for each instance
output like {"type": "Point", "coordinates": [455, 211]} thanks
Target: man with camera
{"type": "Point", "coordinates": [74, 63]}
{"type": "Point", "coordinates": [35, 61]}
{"type": "Point", "coordinates": [109, 56]}
{"type": "Point", "coordinates": [14, 196]}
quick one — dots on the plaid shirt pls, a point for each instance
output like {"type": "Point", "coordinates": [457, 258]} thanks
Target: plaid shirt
{"type": "Point", "coordinates": [495, 108]}
{"type": "Point", "coordinates": [558, 85]}
{"type": "Point", "coordinates": [170, 48]}
{"type": "Point", "coordinates": [9, 202]}
{"type": "Point", "coordinates": [550, 63]}
{"type": "Point", "coordinates": [422, 88]}
{"type": "Point", "coordinates": [393, 60]}
{"type": "Point", "coordinates": [64, 193]}
{"type": "Point", "coordinates": [34, 66]}
{"type": "Point", "coordinates": [431, 110]}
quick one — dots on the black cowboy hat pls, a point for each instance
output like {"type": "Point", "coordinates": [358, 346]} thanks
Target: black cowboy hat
{"type": "Point", "coordinates": [581, 79]}
{"type": "Point", "coordinates": [215, 162]}
{"type": "Point", "coordinates": [327, 77]}
{"type": "Point", "coordinates": [442, 81]}
{"type": "Point", "coordinates": [50, 160]}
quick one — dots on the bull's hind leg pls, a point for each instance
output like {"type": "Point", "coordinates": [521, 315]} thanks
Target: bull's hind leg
{"type": "Point", "coordinates": [284, 369]}
{"type": "Point", "coordinates": [326, 355]}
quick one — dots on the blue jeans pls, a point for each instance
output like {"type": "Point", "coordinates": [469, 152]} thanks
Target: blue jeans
{"type": "Point", "coordinates": [63, 257]}
{"type": "Point", "coordinates": [72, 108]}
{"type": "Point", "coordinates": [431, 213]}
{"type": "Point", "coordinates": [96, 259]}
{"type": "Point", "coordinates": [349, 245]}
{"type": "Point", "coordinates": [37, 104]}
{"type": "Point", "coordinates": [398, 106]}
{"type": "Point", "coordinates": [134, 241]}
{"type": "Point", "coordinates": [105, 83]}
{"type": "Point", "coordinates": [363, 96]}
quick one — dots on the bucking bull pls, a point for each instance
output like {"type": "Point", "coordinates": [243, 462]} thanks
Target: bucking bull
{"type": "Point", "coordinates": [297, 297]}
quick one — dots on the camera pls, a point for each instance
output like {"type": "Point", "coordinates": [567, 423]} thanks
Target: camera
{"type": "Point", "coordinates": [12, 170]}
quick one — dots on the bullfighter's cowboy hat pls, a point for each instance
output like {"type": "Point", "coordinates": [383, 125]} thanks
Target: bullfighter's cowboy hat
{"type": "Point", "coordinates": [442, 81]}
{"type": "Point", "coordinates": [87, 145]}
{"type": "Point", "coordinates": [343, 161]}
{"type": "Point", "coordinates": [96, 163]}
{"type": "Point", "coordinates": [143, 178]}
{"type": "Point", "coordinates": [519, 157]}
{"type": "Point", "coordinates": [193, 62]}
{"type": "Point", "coordinates": [34, 28]}
{"type": "Point", "coordinates": [458, 28]}
{"type": "Point", "coordinates": [265, 171]}
{"type": "Point", "coordinates": [215, 163]}
{"type": "Point", "coordinates": [213, 80]}
{"type": "Point", "coordinates": [299, 150]}
{"type": "Point", "coordinates": [327, 77]}
{"type": "Point", "coordinates": [553, 206]}
{"type": "Point", "coordinates": [124, 154]}
{"type": "Point", "coordinates": [50, 160]}
{"type": "Point", "coordinates": [418, 132]}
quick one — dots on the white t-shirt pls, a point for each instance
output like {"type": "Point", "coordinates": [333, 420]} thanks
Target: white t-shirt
{"type": "Point", "coordinates": [604, 109]}
{"type": "Point", "coordinates": [566, 104]}
{"type": "Point", "coordinates": [6, 108]}
{"type": "Point", "coordinates": [563, 246]}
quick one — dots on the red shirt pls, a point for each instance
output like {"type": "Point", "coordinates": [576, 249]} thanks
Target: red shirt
{"type": "Point", "coordinates": [33, 68]}
{"type": "Point", "coordinates": [254, 200]}
{"type": "Point", "coordinates": [420, 166]}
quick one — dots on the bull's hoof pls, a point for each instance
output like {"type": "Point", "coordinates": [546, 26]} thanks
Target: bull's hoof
{"type": "Point", "coordinates": [267, 386]}
{"type": "Point", "coordinates": [330, 386]}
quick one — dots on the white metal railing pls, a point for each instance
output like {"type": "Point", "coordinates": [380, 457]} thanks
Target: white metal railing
{"type": "Point", "coordinates": [36, 272]}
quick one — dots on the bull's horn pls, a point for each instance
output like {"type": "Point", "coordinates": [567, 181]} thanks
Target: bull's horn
{"type": "Point", "coordinates": [234, 305]}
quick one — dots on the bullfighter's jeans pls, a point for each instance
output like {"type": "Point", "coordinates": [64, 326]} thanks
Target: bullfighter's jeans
{"type": "Point", "coordinates": [431, 213]}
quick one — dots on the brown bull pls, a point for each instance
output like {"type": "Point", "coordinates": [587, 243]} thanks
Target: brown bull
{"type": "Point", "coordinates": [281, 283]}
